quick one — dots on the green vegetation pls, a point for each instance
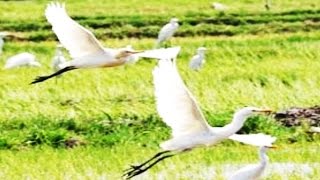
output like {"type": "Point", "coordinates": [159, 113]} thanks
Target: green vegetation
{"type": "Point", "coordinates": [255, 58]}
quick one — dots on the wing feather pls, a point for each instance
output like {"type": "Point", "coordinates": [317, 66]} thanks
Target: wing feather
{"type": "Point", "coordinates": [175, 104]}
{"type": "Point", "coordinates": [74, 37]}
{"type": "Point", "coordinates": [254, 139]}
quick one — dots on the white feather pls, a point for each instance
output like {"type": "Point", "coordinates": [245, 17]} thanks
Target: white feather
{"type": "Point", "coordinates": [254, 139]}
{"type": "Point", "coordinates": [74, 37]}
{"type": "Point", "coordinates": [22, 59]}
{"type": "Point", "coordinates": [175, 104]}
{"type": "Point", "coordinates": [163, 53]}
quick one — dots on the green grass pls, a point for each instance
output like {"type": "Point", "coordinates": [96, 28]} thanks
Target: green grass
{"type": "Point", "coordinates": [265, 71]}
{"type": "Point", "coordinates": [132, 19]}
{"type": "Point", "coordinates": [254, 58]}
{"type": "Point", "coordinates": [107, 163]}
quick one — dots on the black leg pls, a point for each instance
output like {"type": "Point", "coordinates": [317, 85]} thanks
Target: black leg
{"type": "Point", "coordinates": [135, 170]}
{"type": "Point", "coordinates": [43, 78]}
{"type": "Point", "coordinates": [140, 171]}
{"type": "Point", "coordinates": [144, 163]}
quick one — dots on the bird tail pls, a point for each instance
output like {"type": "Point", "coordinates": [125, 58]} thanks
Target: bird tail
{"type": "Point", "coordinates": [44, 78]}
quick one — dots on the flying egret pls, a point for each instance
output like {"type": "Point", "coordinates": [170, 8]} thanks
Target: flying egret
{"type": "Point", "coordinates": [58, 59]}
{"type": "Point", "coordinates": [253, 172]}
{"type": "Point", "coordinates": [22, 59]}
{"type": "Point", "coordinates": [133, 58]}
{"type": "Point", "coordinates": [219, 7]}
{"type": "Point", "coordinates": [167, 31]}
{"type": "Point", "coordinates": [198, 60]}
{"type": "Point", "coordinates": [179, 110]}
{"type": "Point", "coordinates": [84, 48]}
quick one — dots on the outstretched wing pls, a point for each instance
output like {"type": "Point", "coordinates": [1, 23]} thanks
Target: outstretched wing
{"type": "Point", "coordinates": [254, 139]}
{"type": "Point", "coordinates": [74, 37]}
{"type": "Point", "coordinates": [162, 53]}
{"type": "Point", "coordinates": [175, 104]}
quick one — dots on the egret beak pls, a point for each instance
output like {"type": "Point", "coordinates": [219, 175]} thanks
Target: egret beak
{"type": "Point", "coordinates": [136, 52]}
{"type": "Point", "coordinates": [267, 111]}
{"type": "Point", "coordinates": [273, 147]}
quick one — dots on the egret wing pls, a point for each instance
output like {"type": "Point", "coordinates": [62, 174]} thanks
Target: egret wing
{"type": "Point", "coordinates": [162, 53]}
{"type": "Point", "coordinates": [254, 139]}
{"type": "Point", "coordinates": [74, 37]}
{"type": "Point", "coordinates": [175, 104]}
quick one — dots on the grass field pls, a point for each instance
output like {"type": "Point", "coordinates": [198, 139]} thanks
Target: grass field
{"type": "Point", "coordinates": [255, 58]}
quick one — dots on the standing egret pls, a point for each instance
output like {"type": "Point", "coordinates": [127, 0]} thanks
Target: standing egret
{"type": "Point", "coordinates": [198, 60]}
{"type": "Point", "coordinates": [167, 31]}
{"type": "Point", "coordinates": [82, 45]}
{"type": "Point", "coordinates": [314, 129]}
{"type": "Point", "coordinates": [22, 59]}
{"type": "Point", "coordinates": [267, 4]}
{"type": "Point", "coordinates": [58, 59]}
{"type": "Point", "coordinates": [253, 172]}
{"type": "Point", "coordinates": [2, 35]}
{"type": "Point", "coordinates": [219, 7]}
{"type": "Point", "coordinates": [179, 110]}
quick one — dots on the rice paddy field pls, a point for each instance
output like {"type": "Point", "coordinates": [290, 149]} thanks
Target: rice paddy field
{"type": "Point", "coordinates": [108, 116]}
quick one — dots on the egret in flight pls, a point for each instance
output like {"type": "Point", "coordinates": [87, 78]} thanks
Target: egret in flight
{"type": "Point", "coordinates": [253, 172]}
{"type": "Point", "coordinates": [178, 109]}
{"type": "Point", "coordinates": [133, 58]}
{"type": "Point", "coordinates": [84, 48]}
{"type": "Point", "coordinates": [198, 60]}
{"type": "Point", "coordinates": [22, 59]}
{"type": "Point", "coordinates": [58, 59]}
{"type": "Point", "coordinates": [167, 31]}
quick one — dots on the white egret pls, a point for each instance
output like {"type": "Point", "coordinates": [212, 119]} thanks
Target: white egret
{"type": "Point", "coordinates": [58, 59]}
{"type": "Point", "coordinates": [2, 35]}
{"type": "Point", "coordinates": [198, 60]}
{"type": "Point", "coordinates": [253, 172]}
{"type": "Point", "coordinates": [133, 58]}
{"type": "Point", "coordinates": [314, 129]}
{"type": "Point", "coordinates": [167, 31]}
{"type": "Point", "coordinates": [178, 109]}
{"type": "Point", "coordinates": [219, 6]}
{"type": "Point", "coordinates": [22, 59]}
{"type": "Point", "coordinates": [82, 45]}
{"type": "Point", "coordinates": [267, 4]}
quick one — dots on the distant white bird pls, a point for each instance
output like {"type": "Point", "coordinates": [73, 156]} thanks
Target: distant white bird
{"type": "Point", "coordinates": [167, 31]}
{"type": "Point", "coordinates": [314, 129]}
{"type": "Point", "coordinates": [267, 4]}
{"type": "Point", "coordinates": [2, 35]}
{"type": "Point", "coordinates": [219, 7]}
{"type": "Point", "coordinates": [198, 60]}
{"type": "Point", "coordinates": [253, 172]}
{"type": "Point", "coordinates": [179, 110]}
{"type": "Point", "coordinates": [82, 45]}
{"type": "Point", "coordinates": [58, 59]}
{"type": "Point", "coordinates": [22, 59]}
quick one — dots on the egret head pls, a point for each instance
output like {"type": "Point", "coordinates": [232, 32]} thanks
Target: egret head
{"type": "Point", "coordinates": [174, 20]}
{"type": "Point", "coordinates": [126, 52]}
{"type": "Point", "coordinates": [248, 111]}
{"type": "Point", "coordinates": [3, 34]}
{"type": "Point", "coordinates": [201, 49]}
